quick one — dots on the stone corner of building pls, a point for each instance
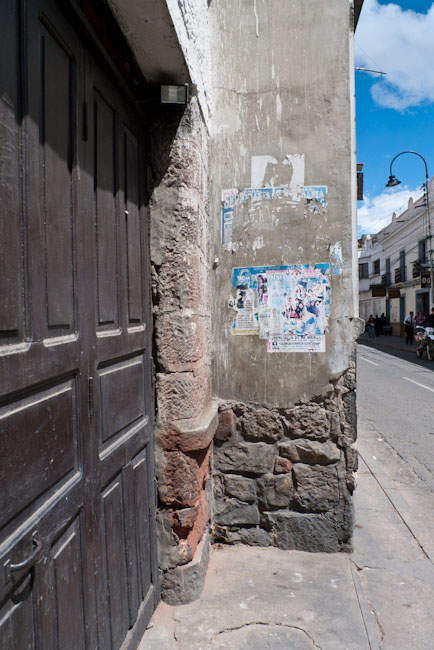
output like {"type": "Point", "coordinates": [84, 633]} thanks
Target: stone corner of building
{"type": "Point", "coordinates": [183, 584]}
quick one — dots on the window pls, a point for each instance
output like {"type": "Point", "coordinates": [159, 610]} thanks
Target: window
{"type": "Point", "coordinates": [363, 271]}
{"type": "Point", "coordinates": [376, 267]}
{"type": "Point", "coordinates": [422, 251]}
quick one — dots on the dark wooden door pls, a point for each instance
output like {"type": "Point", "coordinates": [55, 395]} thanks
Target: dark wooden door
{"type": "Point", "coordinates": [77, 538]}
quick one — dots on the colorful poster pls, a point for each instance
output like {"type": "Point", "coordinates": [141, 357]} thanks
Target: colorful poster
{"type": "Point", "coordinates": [288, 306]}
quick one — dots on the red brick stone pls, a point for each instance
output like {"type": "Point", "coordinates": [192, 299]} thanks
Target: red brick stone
{"type": "Point", "coordinates": [182, 477]}
{"type": "Point", "coordinates": [179, 479]}
{"type": "Point", "coordinates": [282, 465]}
{"type": "Point", "coordinates": [226, 425]}
{"type": "Point", "coordinates": [190, 435]}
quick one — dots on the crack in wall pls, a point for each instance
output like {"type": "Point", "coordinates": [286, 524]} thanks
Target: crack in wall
{"type": "Point", "coordinates": [264, 624]}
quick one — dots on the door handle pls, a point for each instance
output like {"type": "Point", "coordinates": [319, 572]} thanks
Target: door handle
{"type": "Point", "coordinates": [11, 568]}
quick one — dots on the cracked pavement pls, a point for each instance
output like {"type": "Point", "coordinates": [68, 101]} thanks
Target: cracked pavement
{"type": "Point", "coordinates": [380, 597]}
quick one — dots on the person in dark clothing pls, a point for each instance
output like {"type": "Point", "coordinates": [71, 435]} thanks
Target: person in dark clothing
{"type": "Point", "coordinates": [383, 322]}
{"type": "Point", "coordinates": [409, 328]}
{"type": "Point", "coordinates": [429, 321]}
{"type": "Point", "coordinates": [377, 325]}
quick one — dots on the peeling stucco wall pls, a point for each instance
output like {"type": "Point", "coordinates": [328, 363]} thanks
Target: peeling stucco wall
{"type": "Point", "coordinates": [190, 19]}
{"type": "Point", "coordinates": [282, 119]}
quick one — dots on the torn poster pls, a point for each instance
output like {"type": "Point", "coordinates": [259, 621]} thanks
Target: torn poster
{"type": "Point", "coordinates": [317, 192]}
{"type": "Point", "coordinates": [233, 197]}
{"type": "Point", "coordinates": [288, 306]}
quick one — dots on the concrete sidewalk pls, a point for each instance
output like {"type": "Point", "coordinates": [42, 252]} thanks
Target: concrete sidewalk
{"type": "Point", "coordinates": [379, 597]}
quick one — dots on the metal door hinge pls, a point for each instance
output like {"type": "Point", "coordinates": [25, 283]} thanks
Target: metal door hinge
{"type": "Point", "coordinates": [90, 396]}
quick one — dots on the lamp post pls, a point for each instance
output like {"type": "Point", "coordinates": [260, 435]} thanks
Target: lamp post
{"type": "Point", "coordinates": [394, 181]}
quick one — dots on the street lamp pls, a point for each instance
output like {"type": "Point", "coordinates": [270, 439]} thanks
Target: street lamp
{"type": "Point", "coordinates": [392, 182]}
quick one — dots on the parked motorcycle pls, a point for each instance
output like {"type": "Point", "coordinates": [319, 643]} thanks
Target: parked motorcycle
{"type": "Point", "coordinates": [424, 337]}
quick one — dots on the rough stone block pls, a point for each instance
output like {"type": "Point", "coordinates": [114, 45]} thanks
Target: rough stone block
{"type": "Point", "coordinates": [282, 465]}
{"type": "Point", "coordinates": [248, 458]}
{"type": "Point", "coordinates": [181, 340]}
{"type": "Point", "coordinates": [310, 451]}
{"type": "Point", "coordinates": [189, 544]}
{"type": "Point", "coordinates": [179, 479]}
{"type": "Point", "coordinates": [185, 517]}
{"type": "Point", "coordinates": [179, 283]}
{"type": "Point", "coordinates": [184, 584]}
{"type": "Point", "coordinates": [261, 425]}
{"type": "Point", "coordinates": [231, 512]}
{"type": "Point", "coordinates": [317, 487]}
{"type": "Point", "coordinates": [306, 532]}
{"type": "Point", "coordinates": [350, 380]}
{"type": "Point", "coordinates": [168, 550]}
{"type": "Point", "coordinates": [240, 487]}
{"type": "Point", "coordinates": [352, 458]}
{"type": "Point", "coordinates": [253, 536]}
{"type": "Point", "coordinates": [192, 434]}
{"type": "Point", "coordinates": [335, 425]}
{"type": "Point", "coordinates": [350, 411]}
{"type": "Point", "coordinates": [182, 395]}
{"type": "Point", "coordinates": [275, 491]}
{"type": "Point", "coordinates": [226, 425]}
{"type": "Point", "coordinates": [178, 220]}
{"type": "Point", "coordinates": [307, 421]}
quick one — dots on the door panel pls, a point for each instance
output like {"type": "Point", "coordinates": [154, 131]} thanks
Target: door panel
{"type": "Point", "coordinates": [11, 268]}
{"type": "Point", "coordinates": [123, 405]}
{"type": "Point", "coordinates": [44, 368]}
{"type": "Point", "coordinates": [40, 433]}
{"type": "Point", "coordinates": [57, 133]}
{"type": "Point", "coordinates": [106, 227]}
{"type": "Point", "coordinates": [77, 530]}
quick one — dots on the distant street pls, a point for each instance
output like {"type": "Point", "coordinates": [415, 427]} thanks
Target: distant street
{"type": "Point", "coordinates": [396, 397]}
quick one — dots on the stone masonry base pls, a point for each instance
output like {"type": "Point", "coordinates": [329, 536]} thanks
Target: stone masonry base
{"type": "Point", "coordinates": [284, 477]}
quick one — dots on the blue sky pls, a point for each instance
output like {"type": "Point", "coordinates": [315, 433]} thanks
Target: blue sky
{"type": "Point", "coordinates": [394, 112]}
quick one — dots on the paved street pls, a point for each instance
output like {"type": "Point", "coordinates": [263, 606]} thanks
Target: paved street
{"type": "Point", "coordinates": [395, 345]}
{"type": "Point", "coordinates": [394, 534]}
{"type": "Point", "coordinates": [381, 596]}
{"type": "Point", "coordinates": [396, 397]}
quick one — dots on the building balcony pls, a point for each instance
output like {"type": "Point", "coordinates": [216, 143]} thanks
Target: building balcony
{"type": "Point", "coordinates": [386, 279]}
{"type": "Point", "coordinates": [419, 266]}
{"type": "Point", "coordinates": [400, 274]}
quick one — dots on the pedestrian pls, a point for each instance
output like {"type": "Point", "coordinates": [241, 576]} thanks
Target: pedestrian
{"type": "Point", "coordinates": [420, 318]}
{"type": "Point", "coordinates": [409, 328]}
{"type": "Point", "coordinates": [377, 325]}
{"type": "Point", "coordinates": [429, 321]}
{"type": "Point", "coordinates": [371, 326]}
{"type": "Point", "coordinates": [383, 322]}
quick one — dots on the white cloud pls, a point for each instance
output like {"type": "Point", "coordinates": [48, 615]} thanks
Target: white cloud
{"type": "Point", "coordinates": [401, 43]}
{"type": "Point", "coordinates": [376, 212]}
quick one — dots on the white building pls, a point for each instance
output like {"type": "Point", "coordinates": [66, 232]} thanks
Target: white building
{"type": "Point", "coordinates": [394, 274]}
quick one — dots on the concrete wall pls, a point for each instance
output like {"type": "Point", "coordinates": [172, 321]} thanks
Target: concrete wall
{"type": "Point", "coordinates": [283, 119]}
{"type": "Point", "coordinates": [283, 94]}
